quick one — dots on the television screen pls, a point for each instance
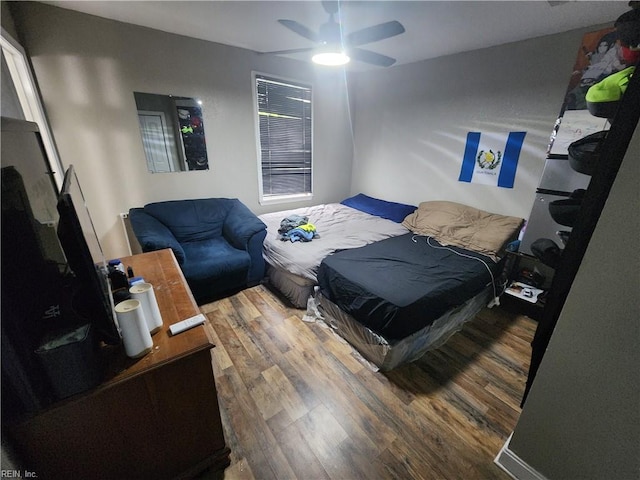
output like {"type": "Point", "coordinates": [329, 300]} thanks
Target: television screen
{"type": "Point", "coordinates": [32, 261]}
{"type": "Point", "coordinates": [79, 241]}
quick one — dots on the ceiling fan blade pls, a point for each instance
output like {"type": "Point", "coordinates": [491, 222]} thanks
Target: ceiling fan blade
{"type": "Point", "coordinates": [285, 52]}
{"type": "Point", "coordinates": [375, 33]}
{"type": "Point", "coordinates": [330, 6]}
{"type": "Point", "coordinates": [373, 58]}
{"type": "Point", "coordinates": [300, 29]}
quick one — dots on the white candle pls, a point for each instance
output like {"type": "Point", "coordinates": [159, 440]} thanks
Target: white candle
{"type": "Point", "coordinates": [135, 332]}
{"type": "Point", "coordinates": [145, 294]}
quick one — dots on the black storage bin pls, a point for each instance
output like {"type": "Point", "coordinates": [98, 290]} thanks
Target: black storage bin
{"type": "Point", "coordinates": [70, 360]}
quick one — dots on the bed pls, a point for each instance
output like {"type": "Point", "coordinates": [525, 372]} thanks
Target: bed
{"type": "Point", "coordinates": [397, 298]}
{"type": "Point", "coordinates": [356, 221]}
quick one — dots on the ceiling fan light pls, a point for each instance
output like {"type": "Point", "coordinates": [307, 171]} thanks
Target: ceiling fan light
{"type": "Point", "coordinates": [332, 59]}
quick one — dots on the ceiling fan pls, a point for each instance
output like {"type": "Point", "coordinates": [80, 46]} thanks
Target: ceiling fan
{"type": "Point", "coordinates": [335, 49]}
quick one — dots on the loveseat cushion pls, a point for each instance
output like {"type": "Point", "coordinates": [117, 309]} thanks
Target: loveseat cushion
{"type": "Point", "coordinates": [153, 235]}
{"type": "Point", "coordinates": [214, 258]}
{"type": "Point", "coordinates": [192, 220]}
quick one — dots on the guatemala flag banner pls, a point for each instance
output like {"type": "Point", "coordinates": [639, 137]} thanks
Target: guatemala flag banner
{"type": "Point", "coordinates": [491, 158]}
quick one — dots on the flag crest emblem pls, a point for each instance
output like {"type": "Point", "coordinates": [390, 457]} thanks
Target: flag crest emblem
{"type": "Point", "coordinates": [489, 159]}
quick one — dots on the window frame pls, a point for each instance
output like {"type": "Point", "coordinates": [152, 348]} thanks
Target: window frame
{"type": "Point", "coordinates": [285, 198]}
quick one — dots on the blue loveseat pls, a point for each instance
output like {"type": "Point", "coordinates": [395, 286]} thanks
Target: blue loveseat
{"type": "Point", "coordinates": [217, 242]}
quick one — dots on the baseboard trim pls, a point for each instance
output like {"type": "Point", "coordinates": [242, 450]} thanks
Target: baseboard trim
{"type": "Point", "coordinates": [514, 465]}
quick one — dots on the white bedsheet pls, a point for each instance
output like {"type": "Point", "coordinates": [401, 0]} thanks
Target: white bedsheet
{"type": "Point", "coordinates": [338, 226]}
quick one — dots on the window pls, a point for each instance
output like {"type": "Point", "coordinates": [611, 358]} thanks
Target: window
{"type": "Point", "coordinates": [284, 118]}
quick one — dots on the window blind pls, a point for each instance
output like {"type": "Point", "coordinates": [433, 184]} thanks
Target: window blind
{"type": "Point", "coordinates": [284, 113]}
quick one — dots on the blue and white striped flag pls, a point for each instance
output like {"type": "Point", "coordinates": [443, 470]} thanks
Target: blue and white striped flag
{"type": "Point", "coordinates": [491, 158]}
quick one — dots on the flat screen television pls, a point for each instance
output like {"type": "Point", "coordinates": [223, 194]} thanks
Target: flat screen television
{"type": "Point", "coordinates": [31, 267]}
{"type": "Point", "coordinates": [92, 299]}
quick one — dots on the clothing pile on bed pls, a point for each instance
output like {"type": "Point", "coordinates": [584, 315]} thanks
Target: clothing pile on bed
{"type": "Point", "coordinates": [296, 228]}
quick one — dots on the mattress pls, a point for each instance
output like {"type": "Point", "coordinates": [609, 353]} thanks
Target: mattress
{"type": "Point", "coordinates": [338, 227]}
{"type": "Point", "coordinates": [400, 285]}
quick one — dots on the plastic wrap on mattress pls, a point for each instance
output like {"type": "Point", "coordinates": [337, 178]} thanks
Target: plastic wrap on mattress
{"type": "Point", "coordinates": [388, 355]}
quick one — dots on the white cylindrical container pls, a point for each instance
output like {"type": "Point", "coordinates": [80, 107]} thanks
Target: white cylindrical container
{"type": "Point", "coordinates": [145, 294]}
{"type": "Point", "coordinates": [135, 332]}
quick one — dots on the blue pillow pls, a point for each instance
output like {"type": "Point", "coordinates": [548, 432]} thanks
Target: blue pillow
{"type": "Point", "coordinates": [381, 208]}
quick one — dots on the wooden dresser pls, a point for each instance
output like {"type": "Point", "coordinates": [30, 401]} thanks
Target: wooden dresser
{"type": "Point", "coordinates": [154, 417]}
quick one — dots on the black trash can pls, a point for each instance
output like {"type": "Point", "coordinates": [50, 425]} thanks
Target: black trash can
{"type": "Point", "coordinates": [71, 361]}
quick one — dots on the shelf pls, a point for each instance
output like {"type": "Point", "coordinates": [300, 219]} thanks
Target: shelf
{"type": "Point", "coordinates": [524, 292]}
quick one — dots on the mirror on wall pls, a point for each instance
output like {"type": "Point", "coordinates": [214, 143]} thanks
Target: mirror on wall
{"type": "Point", "coordinates": [172, 132]}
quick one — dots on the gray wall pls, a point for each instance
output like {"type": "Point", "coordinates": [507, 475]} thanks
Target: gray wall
{"type": "Point", "coordinates": [6, 20]}
{"type": "Point", "coordinates": [412, 120]}
{"type": "Point", "coordinates": [88, 68]}
{"type": "Point", "coordinates": [582, 416]}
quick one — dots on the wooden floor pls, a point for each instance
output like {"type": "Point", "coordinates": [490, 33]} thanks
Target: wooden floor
{"type": "Point", "coordinates": [297, 402]}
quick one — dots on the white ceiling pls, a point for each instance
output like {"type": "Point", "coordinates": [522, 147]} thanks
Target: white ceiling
{"type": "Point", "coordinates": [433, 28]}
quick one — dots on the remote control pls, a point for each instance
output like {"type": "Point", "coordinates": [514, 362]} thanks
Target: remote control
{"type": "Point", "coordinates": [191, 322]}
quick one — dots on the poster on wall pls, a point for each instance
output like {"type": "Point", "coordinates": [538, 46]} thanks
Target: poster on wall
{"type": "Point", "coordinates": [599, 56]}
{"type": "Point", "coordinates": [575, 124]}
{"type": "Point", "coordinates": [193, 140]}
{"type": "Point", "coordinates": [491, 158]}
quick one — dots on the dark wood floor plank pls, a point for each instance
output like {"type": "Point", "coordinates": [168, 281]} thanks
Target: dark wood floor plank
{"type": "Point", "coordinates": [432, 436]}
{"type": "Point", "coordinates": [303, 461]}
{"type": "Point", "coordinates": [240, 426]}
{"type": "Point", "coordinates": [356, 417]}
{"type": "Point", "coordinates": [285, 392]}
{"type": "Point", "coordinates": [269, 337]}
{"type": "Point", "coordinates": [446, 422]}
{"type": "Point", "coordinates": [298, 402]}
{"type": "Point", "coordinates": [257, 442]}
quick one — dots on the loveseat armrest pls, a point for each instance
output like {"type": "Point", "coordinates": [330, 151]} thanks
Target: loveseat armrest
{"type": "Point", "coordinates": [240, 225]}
{"type": "Point", "coordinates": [153, 234]}
{"type": "Point", "coordinates": [244, 230]}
